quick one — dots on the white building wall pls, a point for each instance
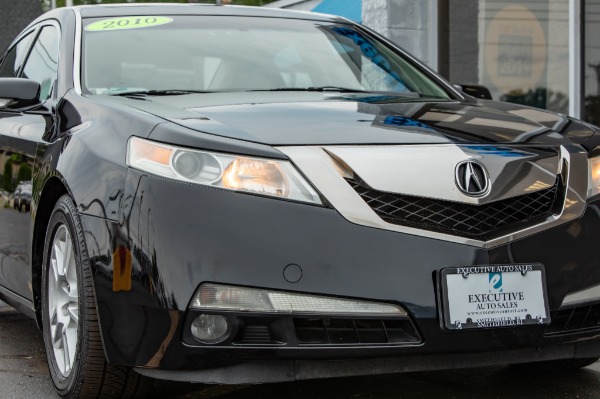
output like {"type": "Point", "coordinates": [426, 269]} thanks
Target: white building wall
{"type": "Point", "coordinates": [301, 5]}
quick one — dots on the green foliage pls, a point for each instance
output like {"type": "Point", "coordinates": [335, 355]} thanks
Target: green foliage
{"type": "Point", "coordinates": [7, 182]}
{"type": "Point", "coordinates": [24, 173]}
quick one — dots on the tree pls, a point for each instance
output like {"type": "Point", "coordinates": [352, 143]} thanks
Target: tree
{"type": "Point", "coordinates": [24, 173]}
{"type": "Point", "coordinates": [7, 183]}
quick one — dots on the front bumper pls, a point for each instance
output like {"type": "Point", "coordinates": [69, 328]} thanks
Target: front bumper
{"type": "Point", "coordinates": [278, 370]}
{"type": "Point", "coordinates": [179, 236]}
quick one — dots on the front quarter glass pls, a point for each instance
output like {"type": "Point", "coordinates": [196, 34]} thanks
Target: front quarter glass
{"type": "Point", "coordinates": [14, 59]}
{"type": "Point", "coordinates": [42, 64]}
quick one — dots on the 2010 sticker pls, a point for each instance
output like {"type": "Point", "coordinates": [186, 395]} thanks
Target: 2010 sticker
{"type": "Point", "coordinates": [128, 23]}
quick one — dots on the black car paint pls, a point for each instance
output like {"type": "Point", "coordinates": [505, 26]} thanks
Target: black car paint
{"type": "Point", "coordinates": [359, 119]}
{"type": "Point", "coordinates": [76, 144]}
{"type": "Point", "coordinates": [23, 92]}
{"type": "Point", "coordinates": [337, 258]}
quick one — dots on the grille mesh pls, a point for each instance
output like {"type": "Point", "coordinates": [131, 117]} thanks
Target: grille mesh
{"type": "Point", "coordinates": [575, 319]}
{"type": "Point", "coordinates": [319, 331]}
{"type": "Point", "coordinates": [256, 334]}
{"type": "Point", "coordinates": [325, 331]}
{"type": "Point", "coordinates": [474, 221]}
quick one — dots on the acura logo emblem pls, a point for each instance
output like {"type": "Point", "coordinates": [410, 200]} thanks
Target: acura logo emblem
{"type": "Point", "coordinates": [472, 178]}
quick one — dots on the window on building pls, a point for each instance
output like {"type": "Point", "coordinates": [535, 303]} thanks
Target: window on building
{"type": "Point", "coordinates": [591, 65]}
{"type": "Point", "coordinates": [519, 50]}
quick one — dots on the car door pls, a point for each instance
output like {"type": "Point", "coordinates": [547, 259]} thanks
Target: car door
{"type": "Point", "coordinates": [35, 57]}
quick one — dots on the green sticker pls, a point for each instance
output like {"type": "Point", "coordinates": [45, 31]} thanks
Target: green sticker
{"type": "Point", "coordinates": [128, 23]}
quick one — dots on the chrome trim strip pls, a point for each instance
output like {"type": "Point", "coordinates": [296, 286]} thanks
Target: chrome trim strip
{"type": "Point", "coordinates": [77, 52]}
{"type": "Point", "coordinates": [580, 297]}
{"type": "Point", "coordinates": [78, 128]}
{"type": "Point", "coordinates": [325, 174]}
{"type": "Point", "coordinates": [59, 61]}
{"type": "Point", "coordinates": [409, 170]}
{"type": "Point", "coordinates": [431, 74]}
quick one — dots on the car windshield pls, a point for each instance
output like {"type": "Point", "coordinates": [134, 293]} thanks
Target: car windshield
{"type": "Point", "coordinates": [173, 55]}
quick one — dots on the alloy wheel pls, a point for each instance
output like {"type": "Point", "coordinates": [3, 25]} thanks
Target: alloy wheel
{"type": "Point", "coordinates": [63, 301]}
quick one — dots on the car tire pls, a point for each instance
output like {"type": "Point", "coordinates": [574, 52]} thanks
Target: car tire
{"type": "Point", "coordinates": [552, 366]}
{"type": "Point", "coordinates": [71, 333]}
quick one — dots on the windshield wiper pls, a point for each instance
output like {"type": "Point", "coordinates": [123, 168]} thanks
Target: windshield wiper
{"type": "Point", "coordinates": [158, 92]}
{"type": "Point", "coordinates": [319, 89]}
{"type": "Point", "coordinates": [342, 90]}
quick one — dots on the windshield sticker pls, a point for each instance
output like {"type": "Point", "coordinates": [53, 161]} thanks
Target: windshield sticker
{"type": "Point", "coordinates": [128, 23]}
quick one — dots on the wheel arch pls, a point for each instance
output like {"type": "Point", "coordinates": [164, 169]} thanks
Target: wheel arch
{"type": "Point", "coordinates": [54, 188]}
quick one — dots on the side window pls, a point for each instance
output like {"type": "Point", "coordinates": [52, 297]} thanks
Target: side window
{"type": "Point", "coordinates": [42, 64]}
{"type": "Point", "coordinates": [15, 57]}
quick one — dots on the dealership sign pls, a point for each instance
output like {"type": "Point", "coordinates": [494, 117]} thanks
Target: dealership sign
{"type": "Point", "coordinates": [494, 296]}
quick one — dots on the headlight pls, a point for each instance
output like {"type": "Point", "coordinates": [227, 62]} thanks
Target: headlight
{"type": "Point", "coordinates": [240, 173]}
{"type": "Point", "coordinates": [593, 176]}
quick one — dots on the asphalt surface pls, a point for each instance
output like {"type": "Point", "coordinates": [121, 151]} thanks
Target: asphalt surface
{"type": "Point", "coordinates": [24, 374]}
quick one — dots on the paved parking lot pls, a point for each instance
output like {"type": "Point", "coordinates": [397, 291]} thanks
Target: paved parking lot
{"type": "Point", "coordinates": [24, 374]}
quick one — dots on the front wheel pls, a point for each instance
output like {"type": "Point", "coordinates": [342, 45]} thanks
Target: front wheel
{"type": "Point", "coordinates": [74, 350]}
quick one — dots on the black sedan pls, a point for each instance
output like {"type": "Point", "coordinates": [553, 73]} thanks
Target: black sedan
{"type": "Point", "coordinates": [244, 195]}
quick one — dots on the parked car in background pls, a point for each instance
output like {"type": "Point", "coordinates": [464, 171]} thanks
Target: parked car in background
{"type": "Point", "coordinates": [22, 197]}
{"type": "Point", "coordinates": [248, 195]}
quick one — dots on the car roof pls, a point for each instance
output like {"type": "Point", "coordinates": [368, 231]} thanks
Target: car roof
{"type": "Point", "coordinates": [116, 10]}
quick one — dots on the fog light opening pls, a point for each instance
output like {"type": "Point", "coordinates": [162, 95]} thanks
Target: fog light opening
{"type": "Point", "coordinates": [210, 329]}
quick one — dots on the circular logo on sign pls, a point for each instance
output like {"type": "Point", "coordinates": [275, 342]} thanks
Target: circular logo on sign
{"type": "Point", "coordinates": [515, 49]}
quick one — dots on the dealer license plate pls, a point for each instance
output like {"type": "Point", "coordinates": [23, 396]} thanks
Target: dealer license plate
{"type": "Point", "coordinates": [494, 296]}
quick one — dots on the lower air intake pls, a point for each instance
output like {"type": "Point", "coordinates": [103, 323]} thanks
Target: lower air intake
{"type": "Point", "coordinates": [325, 331]}
{"type": "Point", "coordinates": [575, 319]}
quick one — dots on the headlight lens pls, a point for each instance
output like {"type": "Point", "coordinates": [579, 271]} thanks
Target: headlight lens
{"type": "Point", "coordinates": [594, 176]}
{"type": "Point", "coordinates": [257, 176]}
{"type": "Point", "coordinates": [240, 173]}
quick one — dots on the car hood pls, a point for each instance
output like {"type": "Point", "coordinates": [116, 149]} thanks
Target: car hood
{"type": "Point", "coordinates": [284, 118]}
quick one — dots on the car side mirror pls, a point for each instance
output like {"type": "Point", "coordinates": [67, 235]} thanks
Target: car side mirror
{"type": "Point", "coordinates": [476, 91]}
{"type": "Point", "coordinates": [16, 93]}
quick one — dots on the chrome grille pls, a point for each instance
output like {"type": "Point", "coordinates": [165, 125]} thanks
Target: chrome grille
{"type": "Point", "coordinates": [481, 222]}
